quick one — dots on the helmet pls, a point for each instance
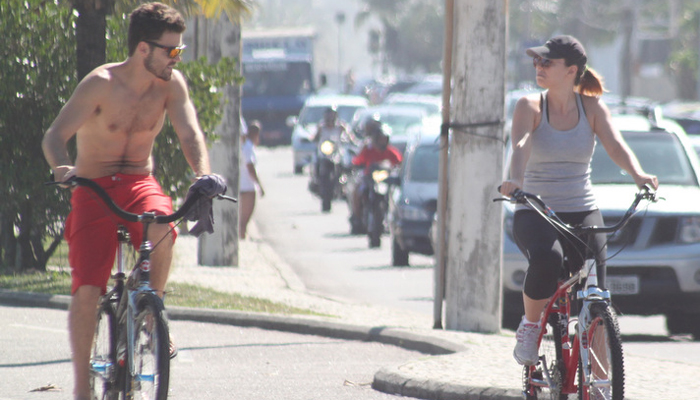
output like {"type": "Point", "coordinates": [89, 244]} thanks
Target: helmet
{"type": "Point", "coordinates": [374, 126]}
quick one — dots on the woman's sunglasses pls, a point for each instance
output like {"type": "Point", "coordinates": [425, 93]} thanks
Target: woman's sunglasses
{"type": "Point", "coordinates": [543, 62]}
{"type": "Point", "coordinates": [172, 51]}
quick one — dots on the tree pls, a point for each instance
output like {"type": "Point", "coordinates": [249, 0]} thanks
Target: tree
{"type": "Point", "coordinates": [38, 72]}
{"type": "Point", "coordinates": [412, 32]}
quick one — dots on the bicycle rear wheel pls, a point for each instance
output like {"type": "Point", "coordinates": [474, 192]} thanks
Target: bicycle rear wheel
{"type": "Point", "coordinates": [544, 380]}
{"type": "Point", "coordinates": [150, 376]}
{"type": "Point", "coordinates": [605, 372]}
{"type": "Point", "coordinates": [103, 367]}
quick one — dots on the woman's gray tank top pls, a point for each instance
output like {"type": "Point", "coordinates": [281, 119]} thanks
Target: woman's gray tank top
{"type": "Point", "coordinates": [559, 167]}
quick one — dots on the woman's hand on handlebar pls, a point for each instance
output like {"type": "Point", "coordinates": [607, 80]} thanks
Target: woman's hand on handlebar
{"type": "Point", "coordinates": [646, 179]}
{"type": "Point", "coordinates": [508, 187]}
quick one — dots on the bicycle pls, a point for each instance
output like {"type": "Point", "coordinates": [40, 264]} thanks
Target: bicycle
{"type": "Point", "coordinates": [593, 350]}
{"type": "Point", "coordinates": [130, 356]}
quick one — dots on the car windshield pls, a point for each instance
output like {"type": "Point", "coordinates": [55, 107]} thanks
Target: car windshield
{"type": "Point", "coordinates": [659, 153]}
{"type": "Point", "coordinates": [314, 114]}
{"type": "Point", "coordinates": [399, 123]}
{"type": "Point", "coordinates": [424, 164]}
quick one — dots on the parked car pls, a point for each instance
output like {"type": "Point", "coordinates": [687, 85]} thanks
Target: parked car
{"type": "Point", "coordinates": [413, 202]}
{"type": "Point", "coordinates": [399, 118]}
{"type": "Point", "coordinates": [659, 270]}
{"type": "Point", "coordinates": [687, 115]}
{"type": "Point", "coordinates": [431, 103]}
{"type": "Point", "coordinates": [310, 116]}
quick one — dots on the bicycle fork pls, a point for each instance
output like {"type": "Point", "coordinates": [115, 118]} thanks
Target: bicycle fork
{"type": "Point", "coordinates": [589, 296]}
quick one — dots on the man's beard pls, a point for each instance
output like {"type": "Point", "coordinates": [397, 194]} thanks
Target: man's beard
{"type": "Point", "coordinates": [163, 74]}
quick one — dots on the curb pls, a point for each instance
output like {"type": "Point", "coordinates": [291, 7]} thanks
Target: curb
{"type": "Point", "coordinates": [386, 380]}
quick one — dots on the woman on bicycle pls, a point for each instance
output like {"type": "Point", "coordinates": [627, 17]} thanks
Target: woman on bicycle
{"type": "Point", "coordinates": [553, 136]}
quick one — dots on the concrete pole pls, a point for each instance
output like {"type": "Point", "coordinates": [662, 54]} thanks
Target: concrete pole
{"type": "Point", "coordinates": [221, 247]}
{"type": "Point", "coordinates": [473, 301]}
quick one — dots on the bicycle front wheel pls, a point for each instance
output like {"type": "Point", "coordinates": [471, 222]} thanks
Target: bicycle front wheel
{"type": "Point", "coordinates": [603, 378]}
{"type": "Point", "coordinates": [103, 367]}
{"type": "Point", "coordinates": [150, 367]}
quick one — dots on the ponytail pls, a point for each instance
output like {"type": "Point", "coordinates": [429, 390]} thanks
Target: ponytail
{"type": "Point", "coordinates": [589, 83]}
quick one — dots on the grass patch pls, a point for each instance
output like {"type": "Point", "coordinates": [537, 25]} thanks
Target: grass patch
{"type": "Point", "coordinates": [52, 282]}
{"type": "Point", "coordinates": [188, 295]}
{"type": "Point", "coordinates": [179, 294]}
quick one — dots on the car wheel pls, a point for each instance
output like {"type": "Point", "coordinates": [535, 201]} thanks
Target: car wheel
{"type": "Point", "coordinates": [679, 323]}
{"type": "Point", "coordinates": [511, 320]}
{"type": "Point", "coordinates": [399, 256]}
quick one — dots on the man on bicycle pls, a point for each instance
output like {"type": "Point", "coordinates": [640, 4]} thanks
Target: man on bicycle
{"type": "Point", "coordinates": [116, 112]}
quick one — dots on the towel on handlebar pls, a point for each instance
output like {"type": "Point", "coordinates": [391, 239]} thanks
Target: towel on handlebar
{"type": "Point", "coordinates": [208, 186]}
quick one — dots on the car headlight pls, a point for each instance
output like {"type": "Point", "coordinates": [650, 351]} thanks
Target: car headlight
{"type": "Point", "coordinates": [689, 231]}
{"type": "Point", "coordinates": [413, 213]}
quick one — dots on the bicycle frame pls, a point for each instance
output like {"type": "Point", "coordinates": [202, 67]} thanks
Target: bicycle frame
{"type": "Point", "coordinates": [574, 351]}
{"type": "Point", "coordinates": [130, 304]}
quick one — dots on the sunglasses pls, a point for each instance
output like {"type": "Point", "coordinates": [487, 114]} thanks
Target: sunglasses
{"type": "Point", "coordinates": [172, 51]}
{"type": "Point", "coordinates": [543, 62]}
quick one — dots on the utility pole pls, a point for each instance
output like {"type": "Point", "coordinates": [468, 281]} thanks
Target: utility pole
{"type": "Point", "coordinates": [473, 271]}
{"type": "Point", "coordinates": [221, 247]}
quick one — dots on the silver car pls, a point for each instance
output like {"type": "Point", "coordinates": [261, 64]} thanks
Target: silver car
{"type": "Point", "coordinates": [654, 262]}
{"type": "Point", "coordinates": [311, 115]}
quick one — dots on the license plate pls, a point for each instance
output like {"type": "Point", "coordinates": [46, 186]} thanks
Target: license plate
{"type": "Point", "coordinates": [623, 284]}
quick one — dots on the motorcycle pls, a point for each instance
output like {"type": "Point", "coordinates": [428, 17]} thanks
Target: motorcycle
{"type": "Point", "coordinates": [377, 183]}
{"type": "Point", "coordinates": [331, 172]}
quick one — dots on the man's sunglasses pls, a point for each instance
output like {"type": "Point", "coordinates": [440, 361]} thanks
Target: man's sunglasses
{"type": "Point", "coordinates": [172, 51]}
{"type": "Point", "coordinates": [543, 62]}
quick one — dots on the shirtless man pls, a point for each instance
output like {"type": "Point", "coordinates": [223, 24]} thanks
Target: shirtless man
{"type": "Point", "coordinates": [116, 112]}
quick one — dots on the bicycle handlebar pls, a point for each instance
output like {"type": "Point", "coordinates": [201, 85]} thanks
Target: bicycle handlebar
{"type": "Point", "coordinates": [535, 202]}
{"type": "Point", "coordinates": [131, 217]}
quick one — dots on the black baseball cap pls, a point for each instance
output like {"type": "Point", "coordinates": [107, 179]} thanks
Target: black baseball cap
{"type": "Point", "coordinates": [563, 46]}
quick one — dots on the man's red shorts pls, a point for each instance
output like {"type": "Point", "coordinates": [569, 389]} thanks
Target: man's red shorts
{"type": "Point", "coordinates": [91, 228]}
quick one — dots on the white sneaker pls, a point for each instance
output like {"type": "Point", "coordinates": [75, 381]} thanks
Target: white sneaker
{"type": "Point", "coordinates": [525, 352]}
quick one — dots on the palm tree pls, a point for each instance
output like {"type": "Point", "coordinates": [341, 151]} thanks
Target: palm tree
{"type": "Point", "coordinates": [90, 28]}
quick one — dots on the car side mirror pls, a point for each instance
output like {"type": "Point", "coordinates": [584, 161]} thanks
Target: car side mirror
{"type": "Point", "coordinates": [291, 121]}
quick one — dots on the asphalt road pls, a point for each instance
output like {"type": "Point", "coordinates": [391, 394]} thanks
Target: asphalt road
{"type": "Point", "coordinates": [215, 361]}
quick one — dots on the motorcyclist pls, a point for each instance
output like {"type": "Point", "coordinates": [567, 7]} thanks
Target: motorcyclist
{"type": "Point", "coordinates": [376, 151]}
{"type": "Point", "coordinates": [331, 128]}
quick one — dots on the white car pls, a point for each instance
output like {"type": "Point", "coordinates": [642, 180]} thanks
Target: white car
{"type": "Point", "coordinates": [654, 262]}
{"type": "Point", "coordinates": [311, 114]}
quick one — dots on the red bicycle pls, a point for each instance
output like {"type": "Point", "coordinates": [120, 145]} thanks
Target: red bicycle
{"type": "Point", "coordinates": [578, 352]}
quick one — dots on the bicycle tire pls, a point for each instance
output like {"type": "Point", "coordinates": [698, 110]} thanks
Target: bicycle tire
{"type": "Point", "coordinates": [550, 352]}
{"type": "Point", "coordinates": [151, 356]}
{"type": "Point", "coordinates": [605, 356]}
{"type": "Point", "coordinates": [103, 366]}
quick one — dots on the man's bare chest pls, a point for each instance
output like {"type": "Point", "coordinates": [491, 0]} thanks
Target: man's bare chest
{"type": "Point", "coordinates": [128, 114]}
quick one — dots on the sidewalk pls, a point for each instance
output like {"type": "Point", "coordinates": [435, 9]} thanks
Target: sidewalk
{"type": "Point", "coordinates": [460, 365]}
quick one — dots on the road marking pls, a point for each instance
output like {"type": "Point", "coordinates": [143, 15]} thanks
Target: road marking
{"type": "Point", "coordinates": [39, 328]}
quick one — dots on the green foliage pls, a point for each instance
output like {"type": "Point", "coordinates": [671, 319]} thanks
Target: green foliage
{"type": "Point", "coordinates": [38, 70]}
{"type": "Point", "coordinates": [37, 65]}
{"type": "Point", "coordinates": [206, 82]}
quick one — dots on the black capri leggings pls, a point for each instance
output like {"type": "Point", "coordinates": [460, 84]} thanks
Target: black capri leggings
{"type": "Point", "coordinates": [545, 248]}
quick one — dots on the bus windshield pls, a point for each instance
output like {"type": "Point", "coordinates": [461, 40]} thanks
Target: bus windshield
{"type": "Point", "coordinates": [277, 78]}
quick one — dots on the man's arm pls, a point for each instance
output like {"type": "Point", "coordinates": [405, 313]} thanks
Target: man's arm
{"type": "Point", "coordinates": [183, 117]}
{"type": "Point", "coordinates": [72, 116]}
